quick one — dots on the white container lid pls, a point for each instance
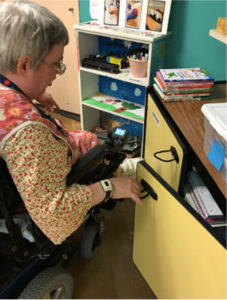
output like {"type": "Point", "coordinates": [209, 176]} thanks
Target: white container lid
{"type": "Point", "coordinates": [216, 114]}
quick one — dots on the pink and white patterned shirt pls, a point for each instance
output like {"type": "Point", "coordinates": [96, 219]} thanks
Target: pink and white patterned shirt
{"type": "Point", "coordinates": [39, 158]}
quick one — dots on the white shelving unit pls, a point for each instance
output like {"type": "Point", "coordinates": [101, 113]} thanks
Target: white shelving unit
{"type": "Point", "coordinates": [220, 37]}
{"type": "Point", "coordinates": [87, 35]}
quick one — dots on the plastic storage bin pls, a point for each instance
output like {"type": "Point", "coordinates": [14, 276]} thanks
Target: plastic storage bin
{"type": "Point", "coordinates": [215, 124]}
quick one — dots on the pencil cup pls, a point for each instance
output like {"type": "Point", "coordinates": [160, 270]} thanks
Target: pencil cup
{"type": "Point", "coordinates": [138, 67]}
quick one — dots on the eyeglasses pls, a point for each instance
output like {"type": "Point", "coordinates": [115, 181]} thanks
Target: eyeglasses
{"type": "Point", "coordinates": [59, 67]}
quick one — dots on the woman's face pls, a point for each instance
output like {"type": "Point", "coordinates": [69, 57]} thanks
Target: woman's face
{"type": "Point", "coordinates": [41, 78]}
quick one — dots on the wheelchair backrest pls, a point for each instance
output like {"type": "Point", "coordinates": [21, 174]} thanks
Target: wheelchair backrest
{"type": "Point", "coordinates": [8, 189]}
{"type": "Point", "coordinates": [10, 201]}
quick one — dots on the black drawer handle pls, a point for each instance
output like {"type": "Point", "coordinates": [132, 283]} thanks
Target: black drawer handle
{"type": "Point", "coordinates": [150, 191]}
{"type": "Point", "coordinates": [172, 150]}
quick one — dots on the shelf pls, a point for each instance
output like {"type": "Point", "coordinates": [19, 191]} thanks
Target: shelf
{"type": "Point", "coordinates": [220, 37]}
{"type": "Point", "coordinates": [120, 33]}
{"type": "Point", "coordinates": [90, 37]}
{"type": "Point", "coordinates": [125, 75]}
{"type": "Point", "coordinates": [115, 106]}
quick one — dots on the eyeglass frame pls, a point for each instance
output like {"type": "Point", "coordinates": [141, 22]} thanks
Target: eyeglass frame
{"type": "Point", "coordinates": [59, 67]}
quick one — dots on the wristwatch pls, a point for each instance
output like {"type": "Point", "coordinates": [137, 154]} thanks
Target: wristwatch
{"type": "Point", "coordinates": [107, 187]}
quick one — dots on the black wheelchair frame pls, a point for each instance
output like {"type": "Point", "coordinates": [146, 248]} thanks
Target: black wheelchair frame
{"type": "Point", "coordinates": [21, 259]}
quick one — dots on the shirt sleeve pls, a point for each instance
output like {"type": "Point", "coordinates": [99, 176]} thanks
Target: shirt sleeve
{"type": "Point", "coordinates": [39, 163]}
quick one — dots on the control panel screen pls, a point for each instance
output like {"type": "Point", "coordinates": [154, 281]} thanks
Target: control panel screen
{"type": "Point", "coordinates": [120, 131]}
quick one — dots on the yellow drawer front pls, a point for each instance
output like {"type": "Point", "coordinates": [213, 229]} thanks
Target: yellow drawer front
{"type": "Point", "coordinates": [158, 137]}
{"type": "Point", "coordinates": [176, 255]}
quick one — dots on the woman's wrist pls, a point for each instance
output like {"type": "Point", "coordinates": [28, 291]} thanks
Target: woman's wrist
{"type": "Point", "coordinates": [98, 194]}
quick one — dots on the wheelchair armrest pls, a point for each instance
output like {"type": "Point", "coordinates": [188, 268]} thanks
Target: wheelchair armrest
{"type": "Point", "coordinates": [110, 149]}
{"type": "Point", "coordinates": [85, 164]}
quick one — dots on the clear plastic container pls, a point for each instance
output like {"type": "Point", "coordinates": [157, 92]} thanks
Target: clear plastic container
{"type": "Point", "coordinates": [215, 124]}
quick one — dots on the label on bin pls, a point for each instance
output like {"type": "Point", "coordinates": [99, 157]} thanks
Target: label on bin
{"type": "Point", "coordinates": [217, 155]}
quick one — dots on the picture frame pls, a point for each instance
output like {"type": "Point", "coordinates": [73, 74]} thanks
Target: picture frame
{"type": "Point", "coordinates": [156, 16]}
{"type": "Point", "coordinates": [111, 15]}
{"type": "Point", "coordinates": [133, 14]}
{"type": "Point", "coordinates": [151, 16]}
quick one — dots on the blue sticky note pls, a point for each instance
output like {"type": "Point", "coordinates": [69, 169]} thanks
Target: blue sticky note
{"type": "Point", "coordinates": [217, 155]}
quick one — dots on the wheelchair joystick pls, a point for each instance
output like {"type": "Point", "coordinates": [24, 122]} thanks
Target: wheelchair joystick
{"type": "Point", "coordinates": [109, 141]}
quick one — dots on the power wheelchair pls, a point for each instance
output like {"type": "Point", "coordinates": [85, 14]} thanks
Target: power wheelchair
{"type": "Point", "coordinates": [31, 265]}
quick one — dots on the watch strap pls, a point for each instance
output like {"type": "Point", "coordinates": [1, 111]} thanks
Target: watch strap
{"type": "Point", "coordinates": [107, 187]}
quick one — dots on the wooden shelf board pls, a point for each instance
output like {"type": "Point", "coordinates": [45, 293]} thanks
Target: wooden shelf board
{"type": "Point", "coordinates": [124, 76]}
{"type": "Point", "coordinates": [121, 114]}
{"type": "Point", "coordinates": [120, 33]}
{"type": "Point", "coordinates": [221, 37]}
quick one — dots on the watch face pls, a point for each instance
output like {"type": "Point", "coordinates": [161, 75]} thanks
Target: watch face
{"type": "Point", "coordinates": [106, 184]}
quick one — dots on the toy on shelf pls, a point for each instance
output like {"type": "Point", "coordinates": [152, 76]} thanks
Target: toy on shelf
{"type": "Point", "coordinates": [121, 62]}
{"type": "Point", "coordinates": [99, 62]}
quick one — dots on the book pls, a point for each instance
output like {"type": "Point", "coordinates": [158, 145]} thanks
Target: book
{"type": "Point", "coordinates": [182, 88]}
{"type": "Point", "coordinates": [183, 97]}
{"type": "Point", "coordinates": [185, 74]}
{"type": "Point", "coordinates": [199, 198]}
{"type": "Point", "coordinates": [189, 198]}
{"type": "Point", "coordinates": [180, 91]}
{"type": "Point", "coordinates": [204, 201]}
{"type": "Point", "coordinates": [218, 223]}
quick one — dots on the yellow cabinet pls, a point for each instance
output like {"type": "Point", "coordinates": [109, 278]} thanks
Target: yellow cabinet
{"type": "Point", "coordinates": [163, 149]}
{"type": "Point", "coordinates": [175, 251]}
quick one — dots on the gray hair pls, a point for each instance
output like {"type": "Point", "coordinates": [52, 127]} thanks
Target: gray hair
{"type": "Point", "coordinates": [27, 28]}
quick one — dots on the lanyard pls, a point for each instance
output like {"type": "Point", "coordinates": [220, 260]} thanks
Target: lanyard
{"type": "Point", "coordinates": [6, 82]}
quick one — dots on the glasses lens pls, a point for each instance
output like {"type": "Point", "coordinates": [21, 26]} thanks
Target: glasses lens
{"type": "Point", "coordinates": [61, 69]}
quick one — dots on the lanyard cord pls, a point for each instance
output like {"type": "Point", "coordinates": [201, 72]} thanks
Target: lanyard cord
{"type": "Point", "coordinates": [6, 82]}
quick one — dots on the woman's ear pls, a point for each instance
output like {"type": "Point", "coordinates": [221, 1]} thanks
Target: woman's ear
{"type": "Point", "coordinates": [23, 65]}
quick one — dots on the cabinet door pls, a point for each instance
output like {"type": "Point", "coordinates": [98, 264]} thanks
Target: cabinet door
{"type": "Point", "coordinates": [160, 137]}
{"type": "Point", "coordinates": [65, 88]}
{"type": "Point", "coordinates": [175, 253]}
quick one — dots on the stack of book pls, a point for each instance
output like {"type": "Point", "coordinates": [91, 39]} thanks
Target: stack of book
{"type": "Point", "coordinates": [183, 84]}
{"type": "Point", "coordinates": [201, 200]}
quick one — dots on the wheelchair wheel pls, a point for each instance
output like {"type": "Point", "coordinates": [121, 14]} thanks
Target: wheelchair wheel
{"type": "Point", "coordinates": [51, 283]}
{"type": "Point", "coordinates": [90, 241]}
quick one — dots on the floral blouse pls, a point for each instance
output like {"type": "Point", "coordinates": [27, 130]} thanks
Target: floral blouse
{"type": "Point", "coordinates": [39, 154]}
{"type": "Point", "coordinates": [39, 163]}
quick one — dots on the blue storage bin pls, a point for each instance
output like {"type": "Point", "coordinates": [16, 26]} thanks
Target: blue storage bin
{"type": "Point", "coordinates": [123, 90]}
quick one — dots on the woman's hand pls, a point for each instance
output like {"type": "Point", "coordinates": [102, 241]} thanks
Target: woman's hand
{"type": "Point", "coordinates": [126, 187]}
{"type": "Point", "coordinates": [48, 102]}
{"type": "Point", "coordinates": [123, 187]}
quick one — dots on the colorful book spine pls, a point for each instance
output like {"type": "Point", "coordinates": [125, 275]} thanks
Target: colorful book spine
{"type": "Point", "coordinates": [183, 84]}
{"type": "Point", "coordinates": [185, 97]}
{"type": "Point", "coordinates": [180, 90]}
{"type": "Point", "coordinates": [191, 199]}
{"type": "Point", "coordinates": [185, 74]}
{"type": "Point", "coordinates": [204, 200]}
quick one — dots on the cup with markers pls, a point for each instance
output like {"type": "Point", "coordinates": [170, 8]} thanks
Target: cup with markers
{"type": "Point", "coordinates": [138, 61]}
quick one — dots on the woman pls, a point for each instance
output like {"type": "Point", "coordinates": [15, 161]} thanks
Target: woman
{"type": "Point", "coordinates": [39, 153]}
